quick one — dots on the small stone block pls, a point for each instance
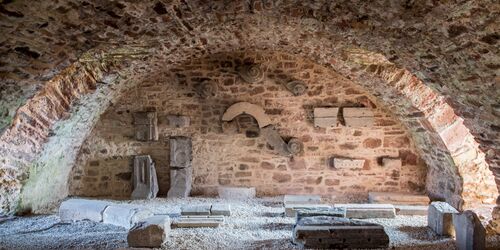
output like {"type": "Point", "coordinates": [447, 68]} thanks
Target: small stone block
{"type": "Point", "coordinates": [220, 209]}
{"type": "Point", "coordinates": [196, 210]}
{"type": "Point", "coordinates": [125, 215]}
{"type": "Point", "coordinates": [236, 193]}
{"type": "Point", "coordinates": [470, 233]}
{"type": "Point", "coordinates": [151, 232]}
{"type": "Point", "coordinates": [82, 209]}
{"type": "Point", "coordinates": [440, 218]}
{"type": "Point", "coordinates": [367, 211]}
{"type": "Point", "coordinates": [301, 199]}
{"type": "Point", "coordinates": [291, 209]}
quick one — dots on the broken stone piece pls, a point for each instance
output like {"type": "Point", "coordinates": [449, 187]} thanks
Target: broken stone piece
{"type": "Point", "coordinates": [325, 117]}
{"type": "Point", "coordinates": [180, 152]}
{"type": "Point", "coordinates": [291, 209]}
{"type": "Point", "coordinates": [144, 178]}
{"type": "Point", "coordinates": [180, 182]}
{"type": "Point", "coordinates": [125, 215]}
{"type": "Point", "coordinates": [251, 73]}
{"type": "Point", "coordinates": [240, 108]}
{"type": "Point", "coordinates": [440, 218]}
{"type": "Point", "coordinates": [296, 87]}
{"type": "Point", "coordinates": [178, 121]}
{"type": "Point", "coordinates": [196, 210]}
{"type": "Point", "coordinates": [310, 212]}
{"type": "Point", "coordinates": [220, 209]}
{"type": "Point", "coordinates": [236, 193]}
{"type": "Point", "coordinates": [274, 139]}
{"type": "Point", "coordinates": [151, 232]}
{"type": "Point", "coordinates": [82, 209]}
{"type": "Point", "coordinates": [367, 211]}
{"type": "Point", "coordinates": [146, 126]}
{"type": "Point", "coordinates": [358, 117]}
{"type": "Point", "coordinates": [470, 233]}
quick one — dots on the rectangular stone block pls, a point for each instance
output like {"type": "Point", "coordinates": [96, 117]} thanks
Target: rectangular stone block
{"type": "Point", "coordinates": [196, 210]}
{"type": "Point", "coordinates": [180, 182]}
{"type": "Point", "coordinates": [358, 117]}
{"type": "Point", "coordinates": [325, 117]}
{"type": "Point", "coordinates": [180, 152]}
{"type": "Point", "coordinates": [440, 218]}
{"type": "Point", "coordinates": [144, 178]}
{"type": "Point", "coordinates": [125, 215]}
{"type": "Point", "coordinates": [470, 233]}
{"type": "Point", "coordinates": [301, 199]}
{"type": "Point", "coordinates": [347, 163]}
{"type": "Point", "coordinates": [236, 193]}
{"type": "Point", "coordinates": [198, 221]}
{"type": "Point", "coordinates": [398, 198]}
{"type": "Point", "coordinates": [411, 210]}
{"type": "Point", "coordinates": [311, 212]}
{"type": "Point", "coordinates": [291, 209]}
{"type": "Point", "coordinates": [82, 209]}
{"type": "Point", "coordinates": [146, 126]}
{"type": "Point", "coordinates": [220, 209]}
{"type": "Point", "coordinates": [367, 211]}
{"type": "Point", "coordinates": [151, 232]}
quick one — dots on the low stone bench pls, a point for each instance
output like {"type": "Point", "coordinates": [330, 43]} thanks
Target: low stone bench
{"type": "Point", "coordinates": [82, 209]}
{"type": "Point", "coordinates": [150, 232]}
{"type": "Point", "coordinates": [236, 193]}
{"type": "Point", "coordinates": [198, 221]}
{"type": "Point", "coordinates": [440, 218]}
{"type": "Point", "coordinates": [396, 198]}
{"type": "Point", "coordinates": [470, 233]}
{"type": "Point", "coordinates": [411, 210]}
{"type": "Point", "coordinates": [301, 199]}
{"type": "Point", "coordinates": [125, 215]}
{"type": "Point", "coordinates": [367, 211]}
{"type": "Point", "coordinates": [338, 233]}
{"type": "Point", "coordinates": [291, 209]}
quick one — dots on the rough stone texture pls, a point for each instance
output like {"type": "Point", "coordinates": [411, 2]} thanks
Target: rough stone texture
{"type": "Point", "coordinates": [440, 218]}
{"type": "Point", "coordinates": [125, 215]}
{"type": "Point", "coordinates": [365, 211]}
{"type": "Point", "coordinates": [82, 209]}
{"type": "Point", "coordinates": [436, 71]}
{"type": "Point", "coordinates": [180, 182]}
{"type": "Point", "coordinates": [470, 233]}
{"type": "Point", "coordinates": [151, 232]}
{"type": "Point", "coordinates": [238, 193]}
{"type": "Point", "coordinates": [144, 178]}
{"type": "Point", "coordinates": [291, 209]}
{"type": "Point", "coordinates": [398, 198]}
{"type": "Point", "coordinates": [314, 211]}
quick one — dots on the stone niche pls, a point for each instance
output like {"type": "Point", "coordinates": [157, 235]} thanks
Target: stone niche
{"type": "Point", "coordinates": [146, 126]}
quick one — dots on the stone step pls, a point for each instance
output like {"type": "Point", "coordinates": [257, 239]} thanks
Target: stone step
{"type": "Point", "coordinates": [366, 211]}
{"type": "Point", "coordinates": [301, 199]}
{"type": "Point", "coordinates": [151, 232]}
{"type": "Point", "coordinates": [398, 198]}
{"type": "Point", "coordinates": [291, 209]}
{"type": "Point", "coordinates": [411, 210]}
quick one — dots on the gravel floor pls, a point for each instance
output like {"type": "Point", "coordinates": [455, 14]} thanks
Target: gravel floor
{"type": "Point", "coordinates": [254, 224]}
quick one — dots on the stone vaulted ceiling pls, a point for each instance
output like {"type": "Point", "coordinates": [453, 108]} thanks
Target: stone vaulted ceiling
{"type": "Point", "coordinates": [60, 58]}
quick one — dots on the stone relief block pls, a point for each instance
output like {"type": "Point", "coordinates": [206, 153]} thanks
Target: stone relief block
{"type": "Point", "coordinates": [358, 117]}
{"type": "Point", "coordinates": [144, 179]}
{"type": "Point", "coordinates": [178, 121]}
{"type": "Point", "coordinates": [180, 182]}
{"type": "Point", "coordinates": [206, 89]}
{"type": "Point", "coordinates": [296, 87]}
{"type": "Point", "coordinates": [345, 163]}
{"type": "Point", "coordinates": [146, 126]}
{"type": "Point", "coordinates": [274, 139]}
{"type": "Point", "coordinates": [325, 117]}
{"type": "Point", "coordinates": [295, 146]}
{"type": "Point", "coordinates": [252, 73]}
{"type": "Point", "coordinates": [180, 152]}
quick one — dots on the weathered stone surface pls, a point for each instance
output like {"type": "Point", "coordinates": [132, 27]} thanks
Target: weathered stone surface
{"type": "Point", "coordinates": [325, 117]}
{"type": "Point", "coordinates": [198, 221]}
{"type": "Point", "coordinates": [220, 209]}
{"type": "Point", "coordinates": [146, 126]}
{"type": "Point", "coordinates": [236, 193]}
{"type": "Point", "coordinates": [125, 215]}
{"type": "Point", "coordinates": [296, 87]}
{"type": "Point", "coordinates": [470, 233]}
{"type": "Point", "coordinates": [398, 198]}
{"type": "Point", "coordinates": [338, 233]}
{"type": "Point", "coordinates": [82, 209]}
{"type": "Point", "coordinates": [151, 232]}
{"type": "Point", "coordinates": [301, 199]}
{"type": "Point", "coordinates": [315, 211]}
{"type": "Point", "coordinates": [275, 140]}
{"type": "Point", "coordinates": [411, 210]}
{"type": "Point", "coordinates": [295, 146]}
{"type": "Point", "coordinates": [366, 211]}
{"type": "Point", "coordinates": [178, 121]}
{"type": "Point", "coordinates": [358, 117]}
{"type": "Point", "coordinates": [251, 73]}
{"type": "Point", "coordinates": [347, 163]}
{"type": "Point", "coordinates": [255, 111]}
{"type": "Point", "coordinates": [196, 210]}
{"type": "Point", "coordinates": [180, 152]}
{"type": "Point", "coordinates": [180, 182]}
{"type": "Point", "coordinates": [440, 218]}
{"type": "Point", "coordinates": [291, 209]}
{"type": "Point", "coordinates": [144, 178]}
{"type": "Point", "coordinates": [206, 89]}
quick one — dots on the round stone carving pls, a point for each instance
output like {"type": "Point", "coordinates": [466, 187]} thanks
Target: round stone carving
{"type": "Point", "coordinates": [251, 73]}
{"type": "Point", "coordinates": [296, 87]}
{"type": "Point", "coordinates": [295, 146]}
{"type": "Point", "coordinates": [206, 89]}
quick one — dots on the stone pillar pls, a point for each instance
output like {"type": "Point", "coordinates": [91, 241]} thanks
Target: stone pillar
{"type": "Point", "coordinates": [144, 178]}
{"type": "Point", "coordinates": [181, 170]}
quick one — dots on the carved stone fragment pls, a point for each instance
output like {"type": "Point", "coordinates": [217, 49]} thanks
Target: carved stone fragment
{"type": "Point", "coordinates": [146, 126]}
{"type": "Point", "coordinates": [180, 182]}
{"type": "Point", "coordinates": [345, 163]}
{"type": "Point", "coordinates": [325, 117]}
{"type": "Point", "coordinates": [358, 117]}
{"type": "Point", "coordinates": [252, 73]}
{"type": "Point", "coordinates": [206, 89]}
{"type": "Point", "coordinates": [295, 146]}
{"type": "Point", "coordinates": [296, 87]}
{"type": "Point", "coordinates": [274, 139]}
{"type": "Point", "coordinates": [180, 152]}
{"type": "Point", "coordinates": [144, 178]}
{"type": "Point", "coordinates": [240, 108]}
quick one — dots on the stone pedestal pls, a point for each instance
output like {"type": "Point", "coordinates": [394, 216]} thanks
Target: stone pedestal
{"type": "Point", "coordinates": [151, 232]}
{"type": "Point", "coordinates": [144, 179]}
{"type": "Point", "coordinates": [440, 218]}
{"type": "Point", "coordinates": [470, 233]}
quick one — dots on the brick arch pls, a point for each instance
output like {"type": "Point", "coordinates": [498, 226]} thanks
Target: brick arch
{"type": "Point", "coordinates": [411, 99]}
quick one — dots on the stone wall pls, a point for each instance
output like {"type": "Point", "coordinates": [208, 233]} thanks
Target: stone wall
{"type": "Point", "coordinates": [232, 153]}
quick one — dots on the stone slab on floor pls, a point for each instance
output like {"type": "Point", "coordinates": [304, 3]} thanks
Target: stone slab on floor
{"type": "Point", "coordinates": [291, 209]}
{"type": "Point", "coordinates": [125, 215]}
{"type": "Point", "coordinates": [220, 209]}
{"type": "Point", "coordinates": [367, 211]}
{"type": "Point", "coordinates": [151, 232]}
{"type": "Point", "coordinates": [396, 198]}
{"type": "Point", "coordinates": [311, 212]}
{"type": "Point", "coordinates": [338, 233]}
{"type": "Point", "coordinates": [236, 193]}
{"type": "Point", "coordinates": [301, 199]}
{"type": "Point", "coordinates": [411, 210]}
{"type": "Point", "coordinates": [440, 218]}
{"type": "Point", "coordinates": [194, 221]}
{"type": "Point", "coordinates": [196, 210]}
{"type": "Point", "coordinates": [82, 209]}
{"type": "Point", "coordinates": [470, 233]}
